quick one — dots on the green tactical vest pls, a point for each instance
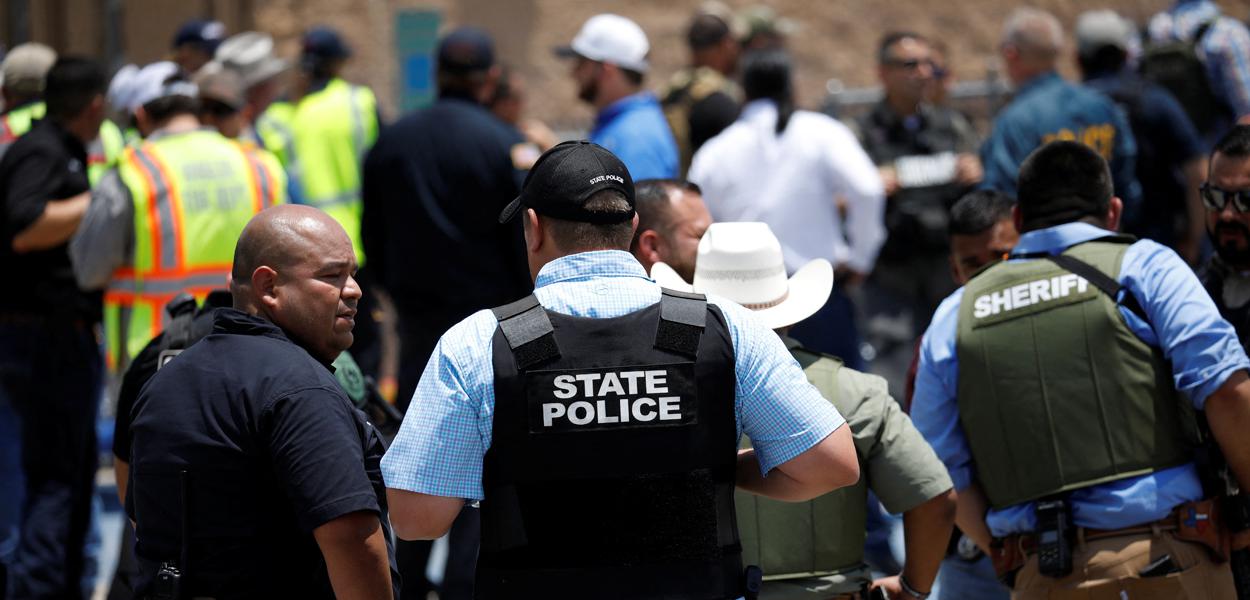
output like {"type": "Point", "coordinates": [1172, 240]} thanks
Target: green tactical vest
{"type": "Point", "coordinates": [332, 129]}
{"type": "Point", "coordinates": [1056, 393]}
{"type": "Point", "coordinates": [816, 538]}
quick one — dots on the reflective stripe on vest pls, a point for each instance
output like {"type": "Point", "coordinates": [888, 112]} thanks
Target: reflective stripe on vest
{"type": "Point", "coordinates": [1051, 378]}
{"type": "Point", "coordinates": [332, 130]}
{"type": "Point", "coordinates": [193, 193]}
{"type": "Point", "coordinates": [816, 538]}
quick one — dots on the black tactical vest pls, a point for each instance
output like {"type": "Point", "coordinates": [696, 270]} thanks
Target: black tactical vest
{"type": "Point", "coordinates": [611, 470]}
{"type": "Point", "coordinates": [1214, 276]}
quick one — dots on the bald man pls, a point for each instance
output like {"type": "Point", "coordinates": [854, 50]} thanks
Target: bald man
{"type": "Point", "coordinates": [247, 437]}
{"type": "Point", "coordinates": [1047, 108]}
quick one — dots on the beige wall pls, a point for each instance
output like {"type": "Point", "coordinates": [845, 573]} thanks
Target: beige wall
{"type": "Point", "coordinates": [837, 38]}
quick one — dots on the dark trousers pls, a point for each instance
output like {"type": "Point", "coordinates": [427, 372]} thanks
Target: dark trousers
{"type": "Point", "coordinates": [50, 370]}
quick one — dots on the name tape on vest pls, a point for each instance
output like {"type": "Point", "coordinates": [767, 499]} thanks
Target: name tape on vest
{"type": "Point", "coordinates": [612, 398]}
{"type": "Point", "coordinates": [1029, 293]}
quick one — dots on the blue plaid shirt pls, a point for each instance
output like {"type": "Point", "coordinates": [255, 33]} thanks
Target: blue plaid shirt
{"type": "Point", "coordinates": [445, 435]}
{"type": "Point", "coordinates": [1225, 50]}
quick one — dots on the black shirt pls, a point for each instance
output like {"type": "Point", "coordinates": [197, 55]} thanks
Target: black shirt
{"type": "Point", "coordinates": [434, 184]}
{"type": "Point", "coordinates": [273, 448]}
{"type": "Point", "coordinates": [46, 164]}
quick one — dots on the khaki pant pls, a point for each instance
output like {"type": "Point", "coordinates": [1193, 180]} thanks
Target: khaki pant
{"type": "Point", "coordinates": [1107, 569]}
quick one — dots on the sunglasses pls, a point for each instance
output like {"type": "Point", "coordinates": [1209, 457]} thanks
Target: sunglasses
{"type": "Point", "coordinates": [909, 64]}
{"type": "Point", "coordinates": [1216, 199]}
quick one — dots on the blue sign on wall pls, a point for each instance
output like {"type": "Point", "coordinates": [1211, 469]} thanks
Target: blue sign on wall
{"type": "Point", "coordinates": [416, 37]}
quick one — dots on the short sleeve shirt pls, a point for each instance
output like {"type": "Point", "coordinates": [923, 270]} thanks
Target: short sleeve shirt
{"type": "Point", "coordinates": [273, 449]}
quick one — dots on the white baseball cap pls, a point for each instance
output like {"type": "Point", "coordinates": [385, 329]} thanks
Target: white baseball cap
{"type": "Point", "coordinates": [612, 39]}
{"type": "Point", "coordinates": [1098, 28]}
{"type": "Point", "coordinates": [742, 262]}
{"type": "Point", "coordinates": [133, 87]}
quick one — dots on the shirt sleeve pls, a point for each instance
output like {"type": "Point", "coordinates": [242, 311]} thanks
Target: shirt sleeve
{"type": "Point", "coordinates": [1202, 347]}
{"type": "Point", "coordinates": [782, 413]}
{"type": "Point", "coordinates": [901, 468]}
{"type": "Point", "coordinates": [443, 440]}
{"type": "Point", "coordinates": [934, 408]}
{"type": "Point", "coordinates": [104, 238]}
{"type": "Point", "coordinates": [317, 453]}
{"type": "Point", "coordinates": [855, 176]}
{"type": "Point", "coordinates": [32, 179]}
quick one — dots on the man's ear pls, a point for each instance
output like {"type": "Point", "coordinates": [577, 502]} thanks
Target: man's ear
{"type": "Point", "coordinates": [533, 231]}
{"type": "Point", "coordinates": [265, 287]}
{"type": "Point", "coordinates": [1115, 210]}
{"type": "Point", "coordinates": [650, 246]}
{"type": "Point", "coordinates": [1017, 218]}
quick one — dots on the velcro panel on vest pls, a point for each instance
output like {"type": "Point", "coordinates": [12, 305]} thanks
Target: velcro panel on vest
{"type": "Point", "coordinates": [1056, 393]}
{"type": "Point", "coordinates": [682, 319]}
{"type": "Point", "coordinates": [528, 330]}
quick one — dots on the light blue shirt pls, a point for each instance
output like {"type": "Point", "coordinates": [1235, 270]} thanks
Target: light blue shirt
{"type": "Point", "coordinates": [1202, 348]}
{"type": "Point", "coordinates": [445, 435]}
{"type": "Point", "coordinates": [635, 130]}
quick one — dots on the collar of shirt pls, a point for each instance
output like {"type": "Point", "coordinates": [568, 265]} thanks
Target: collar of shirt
{"type": "Point", "coordinates": [1058, 238]}
{"type": "Point", "coordinates": [584, 266]}
{"type": "Point", "coordinates": [624, 105]}
{"type": "Point", "coordinates": [76, 148]}
{"type": "Point", "coordinates": [1037, 83]}
{"type": "Point", "coordinates": [759, 111]}
{"type": "Point", "coordinates": [885, 116]}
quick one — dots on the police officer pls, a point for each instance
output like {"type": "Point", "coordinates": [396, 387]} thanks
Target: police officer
{"type": "Point", "coordinates": [49, 352]}
{"type": "Point", "coordinates": [165, 220]}
{"type": "Point", "coordinates": [1226, 196]}
{"type": "Point", "coordinates": [703, 99]}
{"type": "Point", "coordinates": [925, 155]}
{"type": "Point", "coordinates": [23, 72]}
{"type": "Point", "coordinates": [613, 474]}
{"type": "Point", "coordinates": [1059, 387]}
{"type": "Point", "coordinates": [252, 473]}
{"type": "Point", "coordinates": [816, 549]}
{"type": "Point", "coordinates": [1048, 108]}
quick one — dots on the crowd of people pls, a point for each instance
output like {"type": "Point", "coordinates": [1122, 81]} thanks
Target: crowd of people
{"type": "Point", "coordinates": [725, 347]}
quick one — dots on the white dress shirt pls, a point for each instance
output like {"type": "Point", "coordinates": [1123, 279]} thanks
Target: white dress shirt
{"type": "Point", "coordinates": [793, 182]}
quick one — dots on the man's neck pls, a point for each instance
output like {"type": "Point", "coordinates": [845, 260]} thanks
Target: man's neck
{"type": "Point", "coordinates": [606, 100]}
{"type": "Point", "coordinates": [902, 107]}
{"type": "Point", "coordinates": [179, 124]}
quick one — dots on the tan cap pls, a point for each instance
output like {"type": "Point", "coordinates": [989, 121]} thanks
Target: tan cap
{"type": "Point", "coordinates": [25, 67]}
{"type": "Point", "coordinates": [218, 83]}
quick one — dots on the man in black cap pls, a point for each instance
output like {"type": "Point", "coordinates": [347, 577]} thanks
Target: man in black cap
{"type": "Point", "coordinates": [433, 186]}
{"type": "Point", "coordinates": [597, 421]}
{"type": "Point", "coordinates": [195, 42]}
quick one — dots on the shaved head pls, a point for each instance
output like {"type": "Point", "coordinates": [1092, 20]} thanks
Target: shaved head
{"type": "Point", "coordinates": [295, 266]}
{"type": "Point", "coordinates": [279, 237]}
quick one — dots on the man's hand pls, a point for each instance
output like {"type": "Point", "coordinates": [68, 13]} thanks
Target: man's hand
{"type": "Point", "coordinates": [893, 589]}
{"type": "Point", "coordinates": [55, 226]}
{"type": "Point", "coordinates": [827, 466]}
{"type": "Point", "coordinates": [968, 169]}
{"type": "Point", "coordinates": [355, 553]}
{"type": "Point", "coordinates": [889, 179]}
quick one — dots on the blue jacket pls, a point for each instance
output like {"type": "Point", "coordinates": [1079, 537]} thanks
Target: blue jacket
{"type": "Point", "coordinates": [1046, 109]}
{"type": "Point", "coordinates": [635, 130]}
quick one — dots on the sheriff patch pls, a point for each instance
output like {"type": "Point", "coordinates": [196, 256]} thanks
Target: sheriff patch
{"type": "Point", "coordinates": [612, 398]}
{"type": "Point", "coordinates": [1030, 297]}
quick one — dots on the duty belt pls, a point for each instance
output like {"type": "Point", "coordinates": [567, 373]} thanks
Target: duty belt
{"type": "Point", "coordinates": [1197, 522]}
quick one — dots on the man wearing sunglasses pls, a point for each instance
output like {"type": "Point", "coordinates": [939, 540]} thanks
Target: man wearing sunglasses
{"type": "Point", "coordinates": [1226, 196]}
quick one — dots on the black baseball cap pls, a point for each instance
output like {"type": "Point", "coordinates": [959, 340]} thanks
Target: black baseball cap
{"type": "Point", "coordinates": [565, 177]}
{"type": "Point", "coordinates": [466, 50]}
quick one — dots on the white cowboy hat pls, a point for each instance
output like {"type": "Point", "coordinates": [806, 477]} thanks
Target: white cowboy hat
{"type": "Point", "coordinates": [742, 262]}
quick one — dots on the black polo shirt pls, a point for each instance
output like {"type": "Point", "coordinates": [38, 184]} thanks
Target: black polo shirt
{"type": "Point", "coordinates": [273, 449]}
{"type": "Point", "coordinates": [433, 187]}
{"type": "Point", "coordinates": [45, 165]}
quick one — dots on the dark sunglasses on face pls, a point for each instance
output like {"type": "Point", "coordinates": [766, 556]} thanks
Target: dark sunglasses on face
{"type": "Point", "coordinates": [910, 64]}
{"type": "Point", "coordinates": [1216, 199]}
